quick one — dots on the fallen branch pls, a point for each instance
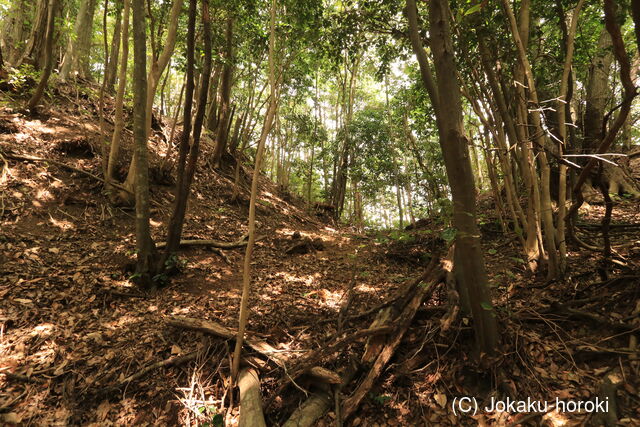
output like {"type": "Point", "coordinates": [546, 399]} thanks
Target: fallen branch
{"type": "Point", "coordinates": [250, 400]}
{"type": "Point", "coordinates": [307, 362]}
{"type": "Point", "coordinates": [258, 345]}
{"type": "Point", "coordinates": [403, 321]}
{"type": "Point", "coordinates": [210, 243]}
{"type": "Point", "coordinates": [22, 378]}
{"type": "Point", "coordinates": [172, 361]}
{"type": "Point", "coordinates": [316, 405]}
{"type": "Point", "coordinates": [595, 318]}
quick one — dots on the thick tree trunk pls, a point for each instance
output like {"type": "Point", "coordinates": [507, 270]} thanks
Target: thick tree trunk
{"type": "Point", "coordinates": [34, 50]}
{"type": "Point", "coordinates": [76, 57]}
{"type": "Point", "coordinates": [48, 54]}
{"type": "Point", "coordinates": [144, 243]}
{"type": "Point", "coordinates": [15, 30]}
{"type": "Point", "coordinates": [598, 92]}
{"type": "Point", "coordinates": [468, 258]}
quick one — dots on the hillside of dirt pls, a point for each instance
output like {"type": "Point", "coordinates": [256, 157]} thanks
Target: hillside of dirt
{"type": "Point", "coordinates": [73, 328]}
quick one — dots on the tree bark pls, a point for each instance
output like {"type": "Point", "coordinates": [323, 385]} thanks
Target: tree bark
{"type": "Point", "coordinates": [34, 50]}
{"type": "Point", "coordinates": [598, 92]}
{"type": "Point", "coordinates": [14, 30]}
{"type": "Point", "coordinates": [144, 243]}
{"type": "Point", "coordinates": [246, 277]}
{"type": "Point", "coordinates": [468, 258]}
{"type": "Point", "coordinates": [48, 54]}
{"type": "Point", "coordinates": [76, 57]}
{"type": "Point", "coordinates": [155, 72]}
{"type": "Point", "coordinates": [118, 124]}
{"type": "Point", "coordinates": [112, 67]}
{"type": "Point", "coordinates": [225, 96]}
{"type": "Point", "coordinates": [184, 182]}
{"type": "Point", "coordinates": [563, 100]}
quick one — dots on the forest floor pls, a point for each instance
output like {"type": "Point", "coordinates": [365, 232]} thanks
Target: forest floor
{"type": "Point", "coordinates": [72, 325]}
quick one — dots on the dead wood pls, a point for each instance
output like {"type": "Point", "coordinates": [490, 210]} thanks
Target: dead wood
{"type": "Point", "coordinates": [607, 393]}
{"type": "Point", "coordinates": [324, 353]}
{"type": "Point", "coordinates": [278, 357]}
{"type": "Point", "coordinates": [211, 243]}
{"type": "Point", "coordinates": [403, 321]}
{"type": "Point", "coordinates": [250, 399]}
{"type": "Point", "coordinates": [22, 378]}
{"type": "Point", "coordinates": [304, 246]}
{"type": "Point", "coordinates": [318, 403]}
{"type": "Point", "coordinates": [573, 313]}
{"type": "Point", "coordinates": [172, 361]}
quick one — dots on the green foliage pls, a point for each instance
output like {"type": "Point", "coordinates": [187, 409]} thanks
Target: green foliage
{"type": "Point", "coordinates": [379, 399]}
{"type": "Point", "coordinates": [23, 77]}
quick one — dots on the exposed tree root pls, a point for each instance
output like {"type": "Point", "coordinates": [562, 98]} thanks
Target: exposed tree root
{"type": "Point", "coordinates": [250, 399]}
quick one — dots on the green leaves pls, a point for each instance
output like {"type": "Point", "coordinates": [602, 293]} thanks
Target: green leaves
{"type": "Point", "coordinates": [449, 235]}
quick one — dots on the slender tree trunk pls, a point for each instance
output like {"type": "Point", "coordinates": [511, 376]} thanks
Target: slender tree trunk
{"type": "Point", "coordinates": [246, 287]}
{"type": "Point", "coordinates": [144, 243]}
{"type": "Point", "coordinates": [118, 124]}
{"type": "Point", "coordinates": [175, 223]}
{"type": "Point", "coordinates": [103, 133]}
{"type": "Point", "coordinates": [546, 210]}
{"type": "Point", "coordinates": [225, 96]}
{"type": "Point", "coordinates": [155, 72]}
{"type": "Point", "coordinates": [48, 54]}
{"type": "Point", "coordinates": [112, 67]}
{"type": "Point", "coordinates": [563, 99]}
{"type": "Point", "coordinates": [468, 258]}
{"type": "Point", "coordinates": [182, 192]}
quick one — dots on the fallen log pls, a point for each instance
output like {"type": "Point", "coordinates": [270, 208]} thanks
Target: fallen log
{"type": "Point", "coordinates": [258, 345]}
{"type": "Point", "coordinates": [211, 243]}
{"type": "Point", "coordinates": [325, 352]}
{"type": "Point", "coordinates": [404, 320]}
{"type": "Point", "coordinates": [318, 403]}
{"type": "Point", "coordinates": [250, 400]}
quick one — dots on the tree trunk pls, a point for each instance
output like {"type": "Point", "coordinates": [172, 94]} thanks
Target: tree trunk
{"type": "Point", "coordinates": [112, 67]}
{"type": "Point", "coordinates": [155, 72]}
{"type": "Point", "coordinates": [34, 51]}
{"type": "Point", "coordinates": [184, 182]}
{"type": "Point", "coordinates": [118, 124]}
{"type": "Point", "coordinates": [468, 258]}
{"type": "Point", "coordinates": [225, 96]}
{"type": "Point", "coordinates": [546, 210]}
{"type": "Point", "coordinates": [561, 110]}
{"type": "Point", "coordinates": [246, 276]}
{"type": "Point", "coordinates": [15, 29]}
{"type": "Point", "coordinates": [144, 243]}
{"type": "Point", "coordinates": [598, 92]}
{"type": "Point", "coordinates": [48, 54]}
{"type": "Point", "coordinates": [76, 57]}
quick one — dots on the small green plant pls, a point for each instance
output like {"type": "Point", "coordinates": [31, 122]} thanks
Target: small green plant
{"type": "Point", "coordinates": [23, 77]}
{"type": "Point", "coordinates": [448, 235]}
{"type": "Point", "coordinates": [379, 399]}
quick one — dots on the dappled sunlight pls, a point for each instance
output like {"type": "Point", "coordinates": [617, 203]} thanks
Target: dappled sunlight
{"type": "Point", "coordinates": [61, 224]}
